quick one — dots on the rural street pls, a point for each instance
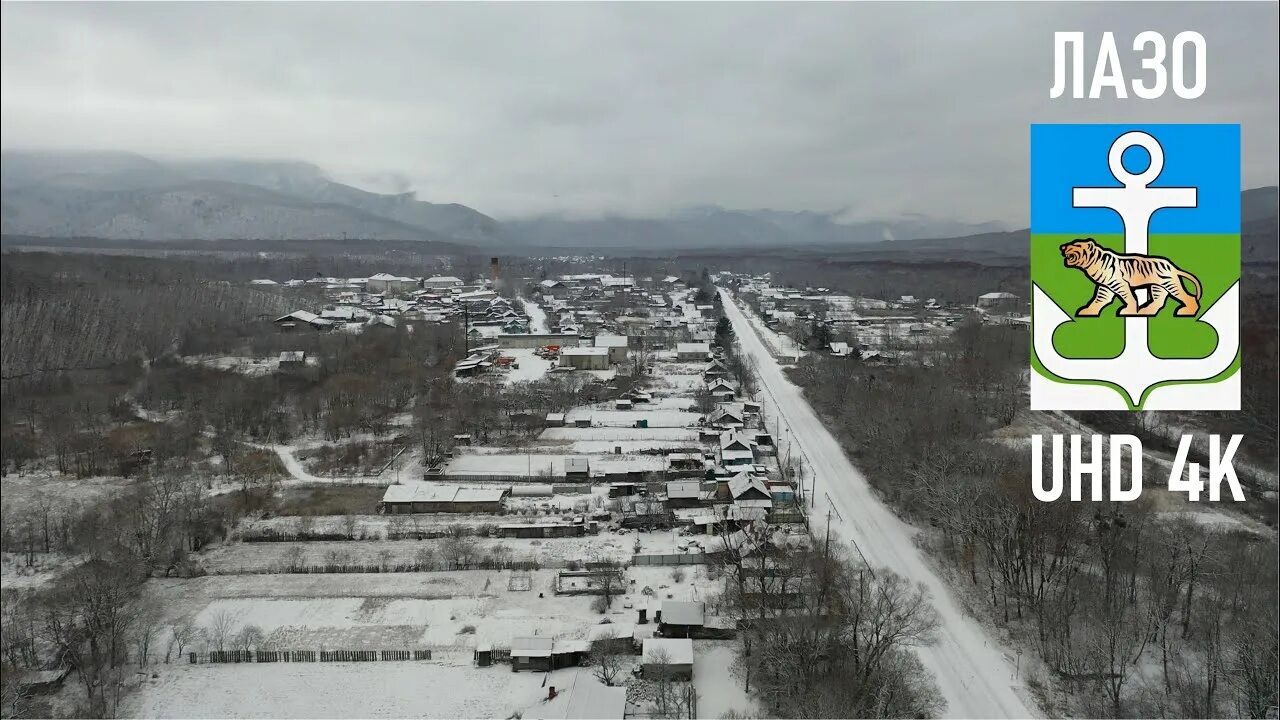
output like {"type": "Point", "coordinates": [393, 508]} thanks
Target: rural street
{"type": "Point", "coordinates": [973, 673]}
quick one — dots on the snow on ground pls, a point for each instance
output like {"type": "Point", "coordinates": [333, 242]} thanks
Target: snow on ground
{"type": "Point", "coordinates": [255, 557]}
{"type": "Point", "coordinates": [23, 493]}
{"type": "Point", "coordinates": [16, 575]}
{"type": "Point", "coordinates": [716, 681]}
{"type": "Point", "coordinates": [970, 668]}
{"type": "Point", "coordinates": [681, 378]}
{"type": "Point", "coordinates": [531, 367]}
{"type": "Point", "coordinates": [627, 418]}
{"type": "Point", "coordinates": [252, 366]}
{"type": "Point", "coordinates": [599, 434]}
{"type": "Point", "coordinates": [379, 610]}
{"type": "Point", "coordinates": [631, 446]}
{"type": "Point", "coordinates": [537, 316]}
{"type": "Point", "coordinates": [541, 464]}
{"type": "Point", "coordinates": [339, 690]}
{"type": "Point", "coordinates": [780, 343]}
{"type": "Point", "coordinates": [399, 611]}
{"type": "Point", "coordinates": [299, 473]}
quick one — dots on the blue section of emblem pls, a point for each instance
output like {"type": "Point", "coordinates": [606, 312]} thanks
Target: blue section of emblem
{"type": "Point", "coordinates": [1206, 157]}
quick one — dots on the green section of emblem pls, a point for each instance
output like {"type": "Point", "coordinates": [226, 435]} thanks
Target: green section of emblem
{"type": "Point", "coordinates": [1213, 259]}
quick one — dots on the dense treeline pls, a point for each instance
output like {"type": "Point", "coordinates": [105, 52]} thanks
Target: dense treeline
{"type": "Point", "coordinates": [1130, 612]}
{"type": "Point", "coordinates": [823, 636]}
{"type": "Point", "coordinates": [68, 312]}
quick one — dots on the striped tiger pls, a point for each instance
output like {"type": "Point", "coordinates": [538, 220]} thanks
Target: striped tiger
{"type": "Point", "coordinates": [1118, 275]}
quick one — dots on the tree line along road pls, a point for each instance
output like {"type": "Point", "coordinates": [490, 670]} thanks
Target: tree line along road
{"type": "Point", "coordinates": [971, 670]}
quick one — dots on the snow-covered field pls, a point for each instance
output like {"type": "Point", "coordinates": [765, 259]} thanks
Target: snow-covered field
{"type": "Point", "coordinates": [970, 667]}
{"type": "Point", "coordinates": [542, 464]}
{"type": "Point", "coordinates": [15, 574]}
{"type": "Point", "coordinates": [251, 366]}
{"type": "Point", "coordinates": [600, 434]}
{"type": "Point", "coordinates": [531, 367]}
{"type": "Point", "coordinates": [22, 493]}
{"type": "Point", "coordinates": [452, 689]}
{"type": "Point", "coordinates": [264, 556]}
{"type": "Point", "coordinates": [658, 417]}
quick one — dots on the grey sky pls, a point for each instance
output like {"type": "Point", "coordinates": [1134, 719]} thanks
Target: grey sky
{"type": "Point", "coordinates": [519, 109]}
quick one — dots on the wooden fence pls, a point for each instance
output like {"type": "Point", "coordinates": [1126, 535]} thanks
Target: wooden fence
{"type": "Point", "coordinates": [683, 559]}
{"type": "Point", "coordinates": [278, 656]}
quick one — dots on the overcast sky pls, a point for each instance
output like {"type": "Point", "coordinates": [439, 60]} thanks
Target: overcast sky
{"type": "Point", "coordinates": [522, 109]}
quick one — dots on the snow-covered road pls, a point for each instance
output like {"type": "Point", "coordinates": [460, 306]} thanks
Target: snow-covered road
{"type": "Point", "coordinates": [973, 673]}
{"type": "Point", "coordinates": [537, 316]}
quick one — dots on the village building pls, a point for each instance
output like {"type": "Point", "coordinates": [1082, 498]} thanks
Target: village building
{"type": "Point", "coordinates": [667, 657]}
{"type": "Point", "coordinates": [544, 530]}
{"type": "Point", "coordinates": [302, 319]}
{"type": "Point", "coordinates": [585, 358]}
{"type": "Point", "coordinates": [735, 450]}
{"type": "Point", "coordinates": [614, 637]}
{"type": "Point", "coordinates": [545, 654]}
{"type": "Point", "coordinates": [577, 468]}
{"type": "Point", "coordinates": [386, 282]}
{"type": "Point", "coordinates": [441, 282]}
{"type": "Point", "coordinates": [616, 344]}
{"type": "Point", "coordinates": [684, 493]}
{"type": "Point", "coordinates": [680, 619]}
{"type": "Point", "coordinates": [1000, 301]}
{"type": "Point", "coordinates": [430, 497]}
{"type": "Point", "coordinates": [749, 491]}
{"type": "Point", "coordinates": [693, 352]}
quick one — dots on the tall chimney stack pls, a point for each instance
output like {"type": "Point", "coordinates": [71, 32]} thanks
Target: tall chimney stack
{"type": "Point", "coordinates": [494, 270]}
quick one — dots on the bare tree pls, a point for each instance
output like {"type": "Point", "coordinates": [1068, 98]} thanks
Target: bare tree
{"type": "Point", "coordinates": [250, 638]}
{"type": "Point", "coordinates": [222, 629]}
{"type": "Point", "coordinates": [607, 664]}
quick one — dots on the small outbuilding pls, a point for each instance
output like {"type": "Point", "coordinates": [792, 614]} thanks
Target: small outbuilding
{"type": "Point", "coordinates": [585, 358]}
{"type": "Point", "coordinates": [679, 619]}
{"type": "Point", "coordinates": [671, 658]}
{"type": "Point", "coordinates": [692, 352]}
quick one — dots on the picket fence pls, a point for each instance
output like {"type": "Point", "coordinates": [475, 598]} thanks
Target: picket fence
{"type": "Point", "coordinates": [274, 656]}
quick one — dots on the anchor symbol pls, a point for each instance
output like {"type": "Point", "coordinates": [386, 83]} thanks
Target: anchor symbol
{"type": "Point", "coordinates": [1136, 370]}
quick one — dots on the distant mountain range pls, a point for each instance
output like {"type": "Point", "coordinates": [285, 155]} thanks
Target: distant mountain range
{"type": "Point", "coordinates": [122, 196]}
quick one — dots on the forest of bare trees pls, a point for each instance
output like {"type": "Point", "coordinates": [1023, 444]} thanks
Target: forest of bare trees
{"type": "Point", "coordinates": [1130, 612]}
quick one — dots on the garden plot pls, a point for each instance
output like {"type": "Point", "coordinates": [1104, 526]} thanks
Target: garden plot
{"type": "Point", "coordinates": [651, 434]}
{"type": "Point", "coordinates": [451, 611]}
{"type": "Point", "coordinates": [546, 465]}
{"type": "Point", "coordinates": [659, 418]}
{"type": "Point", "coordinates": [274, 557]}
{"type": "Point", "coordinates": [261, 557]}
{"type": "Point", "coordinates": [339, 690]}
{"type": "Point", "coordinates": [674, 378]}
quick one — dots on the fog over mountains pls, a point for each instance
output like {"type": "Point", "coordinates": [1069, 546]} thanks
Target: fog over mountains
{"type": "Point", "coordinates": [122, 196]}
